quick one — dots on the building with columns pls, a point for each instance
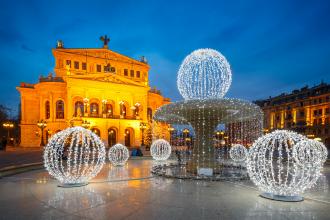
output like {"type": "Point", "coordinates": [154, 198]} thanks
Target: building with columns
{"type": "Point", "coordinates": [305, 110]}
{"type": "Point", "coordinates": [95, 87]}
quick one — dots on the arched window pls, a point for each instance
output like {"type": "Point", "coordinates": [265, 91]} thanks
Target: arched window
{"type": "Point", "coordinates": [123, 110]}
{"type": "Point", "coordinates": [47, 110]}
{"type": "Point", "coordinates": [78, 109]}
{"type": "Point", "coordinates": [96, 131]}
{"type": "Point", "coordinates": [136, 111]}
{"type": "Point", "coordinates": [149, 114]}
{"type": "Point", "coordinates": [129, 134]}
{"type": "Point", "coordinates": [112, 137]}
{"type": "Point", "coordinates": [109, 110]}
{"type": "Point", "coordinates": [60, 109]}
{"type": "Point", "coordinates": [94, 109]}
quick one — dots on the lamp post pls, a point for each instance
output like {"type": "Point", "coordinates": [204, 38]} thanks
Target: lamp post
{"type": "Point", "coordinates": [143, 126]}
{"type": "Point", "coordinates": [42, 124]}
{"type": "Point", "coordinates": [185, 136]}
{"type": "Point", "coordinates": [8, 126]}
{"type": "Point", "coordinates": [85, 124]}
{"type": "Point", "coordinates": [170, 129]}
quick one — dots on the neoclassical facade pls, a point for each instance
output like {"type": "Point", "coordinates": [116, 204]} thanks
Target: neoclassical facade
{"type": "Point", "coordinates": [305, 110]}
{"type": "Point", "coordinates": [97, 87]}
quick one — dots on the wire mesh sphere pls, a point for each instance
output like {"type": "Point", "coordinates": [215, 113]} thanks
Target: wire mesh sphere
{"type": "Point", "coordinates": [310, 152]}
{"type": "Point", "coordinates": [74, 156]}
{"type": "Point", "coordinates": [118, 155]}
{"type": "Point", "coordinates": [160, 150]}
{"type": "Point", "coordinates": [238, 153]}
{"type": "Point", "coordinates": [272, 166]}
{"type": "Point", "coordinates": [204, 74]}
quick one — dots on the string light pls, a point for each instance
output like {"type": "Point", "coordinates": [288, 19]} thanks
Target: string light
{"type": "Point", "coordinates": [74, 156]}
{"type": "Point", "coordinates": [204, 74]}
{"type": "Point", "coordinates": [278, 172]}
{"type": "Point", "coordinates": [310, 152]}
{"type": "Point", "coordinates": [238, 153]}
{"type": "Point", "coordinates": [160, 149]}
{"type": "Point", "coordinates": [118, 155]}
{"type": "Point", "coordinates": [203, 79]}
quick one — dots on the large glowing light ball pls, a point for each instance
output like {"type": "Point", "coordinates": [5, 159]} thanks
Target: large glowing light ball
{"type": "Point", "coordinates": [74, 156]}
{"type": "Point", "coordinates": [204, 74]}
{"type": "Point", "coordinates": [310, 152]}
{"type": "Point", "coordinates": [160, 150]}
{"type": "Point", "coordinates": [238, 153]}
{"type": "Point", "coordinates": [274, 167]}
{"type": "Point", "coordinates": [118, 155]}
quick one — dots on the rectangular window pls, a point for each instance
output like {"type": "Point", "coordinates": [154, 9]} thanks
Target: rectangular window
{"type": "Point", "coordinates": [68, 62]}
{"type": "Point", "coordinates": [125, 72]}
{"type": "Point", "coordinates": [327, 121]}
{"type": "Point", "coordinates": [76, 64]}
{"type": "Point", "coordinates": [315, 112]}
{"type": "Point", "coordinates": [60, 63]}
{"type": "Point", "coordinates": [83, 66]}
{"type": "Point", "coordinates": [132, 73]}
{"type": "Point", "coordinates": [327, 110]}
{"type": "Point", "coordinates": [320, 111]}
{"type": "Point", "coordinates": [98, 68]}
{"type": "Point", "coordinates": [314, 122]}
{"type": "Point", "coordinates": [138, 74]}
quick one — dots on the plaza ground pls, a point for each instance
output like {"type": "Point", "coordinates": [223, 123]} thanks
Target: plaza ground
{"type": "Point", "coordinates": [16, 156]}
{"type": "Point", "coordinates": [131, 192]}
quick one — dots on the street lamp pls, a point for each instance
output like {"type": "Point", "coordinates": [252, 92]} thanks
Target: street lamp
{"type": "Point", "coordinates": [170, 129]}
{"type": "Point", "coordinates": [85, 124]}
{"type": "Point", "coordinates": [42, 124]}
{"type": "Point", "coordinates": [143, 126]}
{"type": "Point", "coordinates": [8, 126]}
{"type": "Point", "coordinates": [185, 136]}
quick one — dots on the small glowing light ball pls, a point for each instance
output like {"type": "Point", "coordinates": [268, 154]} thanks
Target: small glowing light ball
{"type": "Point", "coordinates": [238, 153]}
{"type": "Point", "coordinates": [74, 156]}
{"type": "Point", "coordinates": [279, 169]}
{"type": "Point", "coordinates": [118, 155]}
{"type": "Point", "coordinates": [160, 150]}
{"type": "Point", "coordinates": [204, 74]}
{"type": "Point", "coordinates": [310, 152]}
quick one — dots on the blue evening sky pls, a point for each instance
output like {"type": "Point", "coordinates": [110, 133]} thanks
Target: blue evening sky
{"type": "Point", "coordinates": [272, 46]}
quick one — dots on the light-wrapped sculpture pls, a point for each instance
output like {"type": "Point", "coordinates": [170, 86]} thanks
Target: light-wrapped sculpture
{"type": "Point", "coordinates": [203, 79]}
{"type": "Point", "coordinates": [160, 150]}
{"type": "Point", "coordinates": [238, 153]}
{"type": "Point", "coordinates": [74, 156]}
{"type": "Point", "coordinates": [118, 155]}
{"type": "Point", "coordinates": [278, 168]}
{"type": "Point", "coordinates": [204, 74]}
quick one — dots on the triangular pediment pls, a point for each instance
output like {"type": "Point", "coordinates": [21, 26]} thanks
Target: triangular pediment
{"type": "Point", "coordinates": [108, 77]}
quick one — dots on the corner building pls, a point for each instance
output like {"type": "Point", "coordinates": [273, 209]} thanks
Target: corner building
{"type": "Point", "coordinates": [107, 91]}
{"type": "Point", "coordinates": [305, 110]}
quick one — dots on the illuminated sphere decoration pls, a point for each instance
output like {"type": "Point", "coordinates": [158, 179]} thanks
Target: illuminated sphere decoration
{"type": "Point", "coordinates": [74, 156]}
{"type": "Point", "coordinates": [118, 155]}
{"type": "Point", "coordinates": [160, 150]}
{"type": "Point", "coordinates": [278, 168]}
{"type": "Point", "coordinates": [204, 74]}
{"type": "Point", "coordinates": [238, 153]}
{"type": "Point", "coordinates": [310, 152]}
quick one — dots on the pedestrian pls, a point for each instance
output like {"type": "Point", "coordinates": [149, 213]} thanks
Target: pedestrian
{"type": "Point", "coordinates": [3, 143]}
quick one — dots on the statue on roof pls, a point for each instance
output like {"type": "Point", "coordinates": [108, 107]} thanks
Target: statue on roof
{"type": "Point", "coordinates": [105, 41]}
